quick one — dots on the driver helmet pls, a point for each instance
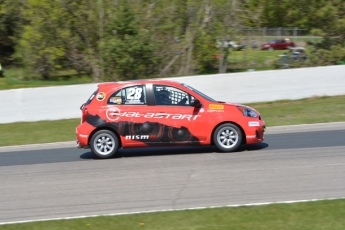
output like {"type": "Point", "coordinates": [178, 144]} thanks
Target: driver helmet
{"type": "Point", "coordinates": [163, 96]}
{"type": "Point", "coordinates": [163, 92]}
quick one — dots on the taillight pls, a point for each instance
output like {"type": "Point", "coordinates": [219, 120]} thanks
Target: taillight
{"type": "Point", "coordinates": [84, 115]}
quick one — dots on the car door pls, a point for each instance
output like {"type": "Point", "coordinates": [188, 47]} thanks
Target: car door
{"type": "Point", "coordinates": [181, 122]}
{"type": "Point", "coordinates": [282, 44]}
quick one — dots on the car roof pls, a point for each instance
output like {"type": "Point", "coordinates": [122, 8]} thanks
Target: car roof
{"type": "Point", "coordinates": [118, 84]}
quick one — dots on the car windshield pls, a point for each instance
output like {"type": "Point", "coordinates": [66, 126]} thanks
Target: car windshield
{"type": "Point", "coordinates": [273, 41]}
{"type": "Point", "coordinates": [199, 93]}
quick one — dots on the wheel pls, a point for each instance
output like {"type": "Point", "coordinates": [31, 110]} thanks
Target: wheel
{"type": "Point", "coordinates": [104, 144]}
{"type": "Point", "coordinates": [271, 48]}
{"type": "Point", "coordinates": [227, 137]}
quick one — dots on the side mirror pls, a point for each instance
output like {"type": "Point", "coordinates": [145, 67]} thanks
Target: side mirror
{"type": "Point", "coordinates": [196, 103]}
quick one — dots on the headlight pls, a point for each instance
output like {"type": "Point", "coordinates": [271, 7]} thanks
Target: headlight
{"type": "Point", "coordinates": [247, 112]}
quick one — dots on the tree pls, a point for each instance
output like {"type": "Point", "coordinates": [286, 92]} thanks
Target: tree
{"type": "Point", "coordinates": [147, 38]}
{"type": "Point", "coordinates": [10, 26]}
{"type": "Point", "coordinates": [127, 51]}
{"type": "Point", "coordinates": [206, 53]}
{"type": "Point", "coordinates": [195, 17]}
{"type": "Point", "coordinates": [86, 19]}
{"type": "Point", "coordinates": [42, 44]}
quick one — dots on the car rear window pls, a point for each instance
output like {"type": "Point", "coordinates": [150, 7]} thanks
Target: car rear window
{"type": "Point", "coordinates": [91, 97]}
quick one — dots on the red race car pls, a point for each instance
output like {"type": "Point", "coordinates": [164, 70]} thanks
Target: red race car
{"type": "Point", "coordinates": [163, 113]}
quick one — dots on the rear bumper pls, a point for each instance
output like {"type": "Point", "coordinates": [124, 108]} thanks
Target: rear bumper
{"type": "Point", "coordinates": [82, 137]}
{"type": "Point", "coordinates": [79, 146]}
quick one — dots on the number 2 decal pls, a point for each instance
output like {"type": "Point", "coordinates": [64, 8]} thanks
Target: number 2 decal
{"type": "Point", "coordinates": [134, 93]}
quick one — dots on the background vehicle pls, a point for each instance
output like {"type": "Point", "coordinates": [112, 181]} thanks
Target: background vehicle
{"type": "Point", "coordinates": [295, 56]}
{"type": "Point", "coordinates": [230, 44]}
{"type": "Point", "coordinates": [163, 113]}
{"type": "Point", "coordinates": [235, 46]}
{"type": "Point", "coordinates": [277, 45]}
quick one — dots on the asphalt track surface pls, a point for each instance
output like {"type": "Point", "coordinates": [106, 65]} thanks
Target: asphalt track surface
{"type": "Point", "coordinates": [57, 180]}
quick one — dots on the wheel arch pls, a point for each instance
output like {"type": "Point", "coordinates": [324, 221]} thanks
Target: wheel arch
{"type": "Point", "coordinates": [105, 127]}
{"type": "Point", "coordinates": [244, 141]}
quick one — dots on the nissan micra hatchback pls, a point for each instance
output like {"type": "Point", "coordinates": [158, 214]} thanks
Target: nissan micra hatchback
{"type": "Point", "coordinates": [163, 113]}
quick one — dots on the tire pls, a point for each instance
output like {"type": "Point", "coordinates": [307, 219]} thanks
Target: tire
{"type": "Point", "coordinates": [270, 48]}
{"type": "Point", "coordinates": [227, 137]}
{"type": "Point", "coordinates": [104, 144]}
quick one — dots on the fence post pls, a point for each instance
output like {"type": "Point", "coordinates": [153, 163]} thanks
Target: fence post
{"type": "Point", "coordinates": [264, 33]}
{"type": "Point", "coordinates": [295, 30]}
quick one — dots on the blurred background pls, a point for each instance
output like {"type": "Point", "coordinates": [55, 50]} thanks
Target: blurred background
{"type": "Point", "coordinates": [76, 41]}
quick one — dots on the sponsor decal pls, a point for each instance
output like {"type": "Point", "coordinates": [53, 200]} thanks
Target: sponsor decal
{"type": "Point", "coordinates": [115, 100]}
{"type": "Point", "coordinates": [215, 110]}
{"type": "Point", "coordinates": [134, 96]}
{"type": "Point", "coordinates": [137, 137]}
{"type": "Point", "coordinates": [83, 135]}
{"type": "Point", "coordinates": [251, 136]}
{"type": "Point", "coordinates": [201, 110]}
{"type": "Point", "coordinates": [253, 123]}
{"type": "Point", "coordinates": [133, 101]}
{"type": "Point", "coordinates": [100, 96]}
{"type": "Point", "coordinates": [216, 107]}
{"type": "Point", "coordinates": [134, 93]}
{"type": "Point", "coordinates": [114, 114]}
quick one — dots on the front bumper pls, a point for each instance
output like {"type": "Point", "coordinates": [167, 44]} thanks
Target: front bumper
{"type": "Point", "coordinates": [255, 134]}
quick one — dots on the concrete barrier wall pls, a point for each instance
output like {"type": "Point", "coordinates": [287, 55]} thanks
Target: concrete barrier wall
{"type": "Point", "coordinates": [63, 102]}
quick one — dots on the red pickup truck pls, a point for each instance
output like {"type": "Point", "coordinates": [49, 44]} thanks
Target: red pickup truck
{"type": "Point", "coordinates": [277, 45]}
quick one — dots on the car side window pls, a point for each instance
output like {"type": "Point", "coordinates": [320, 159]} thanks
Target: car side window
{"type": "Point", "coordinates": [133, 95]}
{"type": "Point", "coordinates": [167, 95]}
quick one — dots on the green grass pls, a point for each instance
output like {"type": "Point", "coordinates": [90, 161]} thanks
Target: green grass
{"type": "Point", "coordinates": [320, 215]}
{"type": "Point", "coordinates": [15, 78]}
{"type": "Point", "coordinates": [21, 133]}
{"type": "Point", "coordinates": [305, 111]}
